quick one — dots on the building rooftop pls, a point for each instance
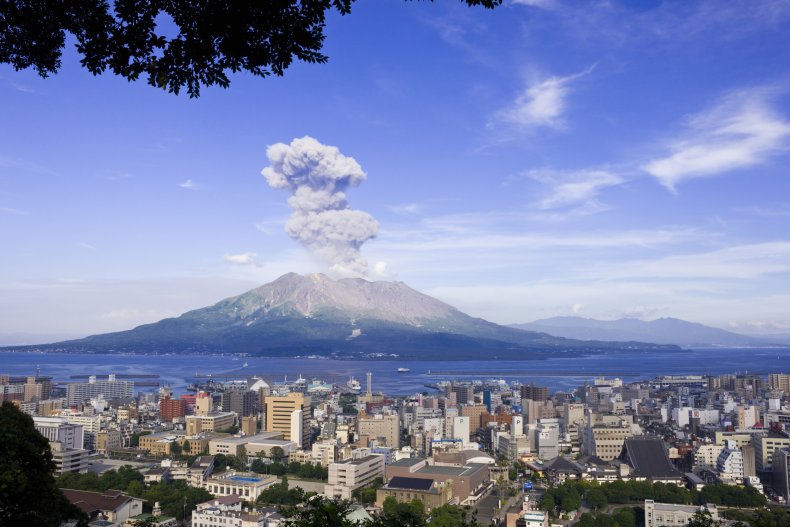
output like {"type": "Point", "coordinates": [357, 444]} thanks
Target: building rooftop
{"type": "Point", "coordinates": [90, 502]}
{"type": "Point", "coordinates": [648, 458]}
{"type": "Point", "coordinates": [407, 462]}
{"type": "Point", "coordinates": [400, 482]}
{"type": "Point", "coordinates": [361, 461]}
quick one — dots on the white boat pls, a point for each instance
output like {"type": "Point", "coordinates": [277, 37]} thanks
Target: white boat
{"type": "Point", "coordinates": [403, 370]}
{"type": "Point", "coordinates": [244, 365]}
{"type": "Point", "coordinates": [354, 385]}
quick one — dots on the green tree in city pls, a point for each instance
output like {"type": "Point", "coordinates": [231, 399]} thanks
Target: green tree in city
{"type": "Point", "coordinates": [28, 492]}
{"type": "Point", "coordinates": [571, 501]}
{"type": "Point", "coordinates": [322, 512]}
{"type": "Point", "coordinates": [704, 519]}
{"type": "Point", "coordinates": [186, 447]}
{"type": "Point", "coordinates": [277, 454]}
{"type": "Point", "coordinates": [596, 499]}
{"type": "Point", "coordinates": [451, 516]}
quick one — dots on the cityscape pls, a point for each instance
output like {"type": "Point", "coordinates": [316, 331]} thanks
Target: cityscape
{"type": "Point", "coordinates": [393, 263]}
{"type": "Point", "coordinates": [510, 453]}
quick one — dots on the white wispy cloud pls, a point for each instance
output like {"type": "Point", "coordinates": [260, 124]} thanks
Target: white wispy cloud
{"type": "Point", "coordinates": [542, 4]}
{"type": "Point", "coordinates": [14, 212]}
{"type": "Point", "coordinates": [243, 259]}
{"type": "Point", "coordinates": [189, 185]}
{"type": "Point", "coordinates": [573, 188]}
{"type": "Point", "coordinates": [748, 261]}
{"type": "Point", "coordinates": [541, 104]}
{"type": "Point", "coordinates": [406, 208]}
{"type": "Point", "coordinates": [741, 131]}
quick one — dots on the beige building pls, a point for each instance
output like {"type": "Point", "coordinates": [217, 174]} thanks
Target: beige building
{"type": "Point", "coordinates": [742, 438]}
{"type": "Point", "coordinates": [252, 445]}
{"type": "Point", "coordinates": [705, 457]}
{"type": "Point", "coordinates": [289, 414]}
{"type": "Point", "coordinates": [604, 441]}
{"type": "Point", "coordinates": [764, 448]}
{"type": "Point", "coordinates": [324, 452]}
{"type": "Point", "coordinates": [160, 444]}
{"type": "Point", "coordinates": [431, 493]}
{"type": "Point", "coordinates": [213, 422]}
{"type": "Point", "coordinates": [346, 476]}
{"type": "Point", "coordinates": [386, 427]}
{"type": "Point", "coordinates": [108, 440]}
{"type": "Point", "coordinates": [468, 481]}
{"type": "Point", "coordinates": [779, 381]}
{"type": "Point", "coordinates": [665, 514]}
{"type": "Point", "coordinates": [246, 485]}
{"type": "Point", "coordinates": [475, 414]}
{"type": "Point", "coordinates": [249, 425]}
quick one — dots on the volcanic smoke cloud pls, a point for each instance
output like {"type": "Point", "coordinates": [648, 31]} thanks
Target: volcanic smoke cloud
{"type": "Point", "coordinates": [317, 176]}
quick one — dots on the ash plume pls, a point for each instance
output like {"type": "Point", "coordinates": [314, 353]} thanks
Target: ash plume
{"type": "Point", "coordinates": [317, 176]}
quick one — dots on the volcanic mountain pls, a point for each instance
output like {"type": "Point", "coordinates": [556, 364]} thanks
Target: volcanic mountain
{"type": "Point", "coordinates": [299, 315]}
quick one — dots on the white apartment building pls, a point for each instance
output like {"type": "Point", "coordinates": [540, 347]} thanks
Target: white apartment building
{"type": "Point", "coordinates": [670, 515]}
{"type": "Point", "coordinates": [226, 512]}
{"type": "Point", "coordinates": [351, 474]}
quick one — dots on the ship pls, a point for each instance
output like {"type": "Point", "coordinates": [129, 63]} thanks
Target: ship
{"type": "Point", "coordinates": [403, 370]}
{"type": "Point", "coordinates": [354, 385]}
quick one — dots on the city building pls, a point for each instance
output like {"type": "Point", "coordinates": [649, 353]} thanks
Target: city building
{"type": "Point", "coordinates": [211, 422]}
{"type": "Point", "coordinates": [385, 429]}
{"type": "Point", "coordinates": [534, 393]}
{"type": "Point", "coordinates": [112, 505]}
{"type": "Point", "coordinates": [170, 409]}
{"type": "Point", "coordinates": [246, 485]}
{"type": "Point", "coordinates": [227, 511]}
{"type": "Point", "coordinates": [80, 392]}
{"type": "Point", "coordinates": [468, 481]}
{"type": "Point", "coordinates": [289, 414]}
{"type": "Point", "coordinates": [351, 474]}
{"type": "Point", "coordinates": [665, 514]}
{"type": "Point", "coordinates": [764, 447]}
{"type": "Point", "coordinates": [429, 492]}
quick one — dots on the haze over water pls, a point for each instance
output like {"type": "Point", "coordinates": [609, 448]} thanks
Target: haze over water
{"type": "Point", "coordinates": [558, 373]}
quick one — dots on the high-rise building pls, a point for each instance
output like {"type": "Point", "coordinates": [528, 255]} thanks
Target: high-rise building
{"type": "Point", "coordinates": [170, 408]}
{"type": "Point", "coordinates": [535, 393]}
{"type": "Point", "coordinates": [80, 392]}
{"type": "Point", "coordinates": [779, 381]}
{"type": "Point", "coordinates": [289, 414]}
{"type": "Point", "coordinates": [386, 427]}
{"type": "Point", "coordinates": [242, 402]}
{"type": "Point", "coordinates": [464, 393]}
{"type": "Point", "coordinates": [781, 470]}
{"type": "Point", "coordinates": [249, 425]}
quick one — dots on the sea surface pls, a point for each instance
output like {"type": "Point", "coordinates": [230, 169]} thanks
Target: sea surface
{"type": "Point", "coordinates": [557, 372]}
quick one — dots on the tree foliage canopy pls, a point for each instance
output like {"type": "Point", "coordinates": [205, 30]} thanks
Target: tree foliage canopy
{"type": "Point", "coordinates": [28, 494]}
{"type": "Point", "coordinates": [175, 44]}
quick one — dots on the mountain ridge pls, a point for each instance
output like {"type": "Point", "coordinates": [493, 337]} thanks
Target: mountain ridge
{"type": "Point", "coordinates": [298, 315]}
{"type": "Point", "coordinates": [665, 330]}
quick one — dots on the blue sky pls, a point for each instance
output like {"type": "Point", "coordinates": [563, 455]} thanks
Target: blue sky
{"type": "Point", "coordinates": [604, 159]}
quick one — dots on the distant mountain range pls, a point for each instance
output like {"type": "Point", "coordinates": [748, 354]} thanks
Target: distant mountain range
{"type": "Point", "coordinates": [660, 331]}
{"type": "Point", "coordinates": [299, 315]}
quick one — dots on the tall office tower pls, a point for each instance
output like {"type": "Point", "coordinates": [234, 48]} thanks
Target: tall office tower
{"type": "Point", "coordinates": [79, 392]}
{"type": "Point", "coordinates": [289, 414]}
{"type": "Point", "coordinates": [535, 393]}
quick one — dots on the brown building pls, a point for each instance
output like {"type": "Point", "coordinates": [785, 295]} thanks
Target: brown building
{"type": "Point", "coordinates": [536, 393]}
{"type": "Point", "coordinates": [170, 409]}
{"type": "Point", "coordinates": [467, 481]}
{"type": "Point", "coordinates": [249, 425]}
{"type": "Point", "coordinates": [431, 493]}
{"type": "Point", "coordinates": [475, 414]}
